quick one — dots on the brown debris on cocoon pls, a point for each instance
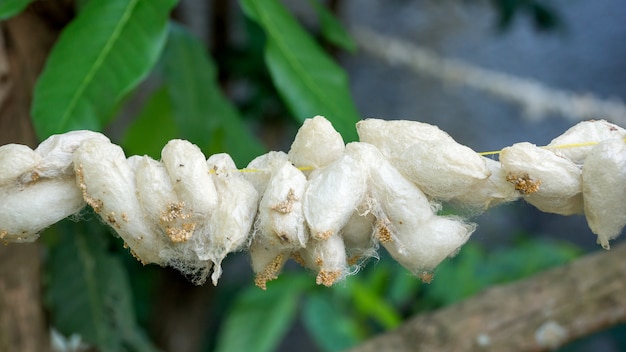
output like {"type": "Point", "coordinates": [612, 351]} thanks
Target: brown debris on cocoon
{"type": "Point", "coordinates": [334, 192]}
{"type": "Point", "coordinates": [523, 183]}
{"type": "Point", "coordinates": [108, 183]}
{"type": "Point", "coordinates": [189, 174]}
{"type": "Point", "coordinates": [604, 190]}
{"type": "Point", "coordinates": [594, 131]}
{"type": "Point", "coordinates": [280, 219]}
{"type": "Point", "coordinates": [549, 182]}
{"type": "Point", "coordinates": [327, 258]}
{"type": "Point", "coordinates": [159, 202]}
{"type": "Point", "coordinates": [316, 144]}
{"type": "Point", "coordinates": [231, 222]}
{"type": "Point", "coordinates": [267, 262]}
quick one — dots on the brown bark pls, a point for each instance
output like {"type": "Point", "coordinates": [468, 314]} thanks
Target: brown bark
{"type": "Point", "coordinates": [536, 314]}
{"type": "Point", "coordinates": [24, 44]}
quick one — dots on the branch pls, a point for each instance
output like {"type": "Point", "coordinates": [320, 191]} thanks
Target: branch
{"type": "Point", "coordinates": [536, 314]}
{"type": "Point", "coordinates": [537, 99]}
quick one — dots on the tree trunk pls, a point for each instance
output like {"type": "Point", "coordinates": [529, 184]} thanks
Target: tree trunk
{"type": "Point", "coordinates": [537, 314]}
{"type": "Point", "coordinates": [24, 44]}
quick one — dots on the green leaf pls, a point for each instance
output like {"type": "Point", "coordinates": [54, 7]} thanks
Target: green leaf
{"type": "Point", "coordinates": [203, 115]}
{"type": "Point", "coordinates": [374, 306]}
{"type": "Point", "coordinates": [10, 8]}
{"type": "Point", "coordinates": [153, 128]}
{"type": "Point", "coordinates": [332, 29]}
{"type": "Point", "coordinates": [88, 291]}
{"type": "Point", "coordinates": [309, 81]}
{"type": "Point", "coordinates": [101, 55]}
{"type": "Point", "coordinates": [259, 319]}
{"type": "Point", "coordinates": [332, 329]}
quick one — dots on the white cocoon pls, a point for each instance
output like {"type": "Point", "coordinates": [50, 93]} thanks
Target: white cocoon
{"type": "Point", "coordinates": [57, 152]}
{"type": "Point", "coordinates": [442, 168]}
{"type": "Point", "coordinates": [26, 210]}
{"type": "Point", "coordinates": [488, 193]}
{"type": "Point", "coordinates": [280, 220]}
{"type": "Point", "coordinates": [172, 219]}
{"type": "Point", "coordinates": [316, 145]}
{"type": "Point", "coordinates": [358, 235]}
{"type": "Point", "coordinates": [559, 179]}
{"type": "Point", "coordinates": [108, 186]}
{"type": "Point", "coordinates": [402, 202]}
{"type": "Point", "coordinates": [189, 174]}
{"type": "Point", "coordinates": [406, 225]}
{"type": "Point", "coordinates": [421, 249]}
{"type": "Point", "coordinates": [154, 189]}
{"type": "Point", "coordinates": [259, 170]}
{"type": "Point", "coordinates": [604, 190]}
{"type": "Point", "coordinates": [15, 160]}
{"type": "Point", "coordinates": [334, 192]}
{"type": "Point", "coordinates": [327, 258]}
{"type": "Point", "coordinates": [392, 138]}
{"type": "Point", "coordinates": [231, 222]}
{"type": "Point", "coordinates": [426, 155]}
{"type": "Point", "coordinates": [160, 204]}
{"type": "Point", "coordinates": [584, 132]}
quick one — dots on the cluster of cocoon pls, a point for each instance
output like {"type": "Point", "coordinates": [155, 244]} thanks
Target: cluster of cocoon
{"type": "Point", "coordinates": [326, 205]}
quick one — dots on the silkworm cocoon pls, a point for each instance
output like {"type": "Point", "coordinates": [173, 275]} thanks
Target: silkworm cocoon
{"type": "Point", "coordinates": [604, 190]}
{"type": "Point", "coordinates": [442, 168]}
{"type": "Point", "coordinates": [406, 225]}
{"type": "Point", "coordinates": [393, 138]}
{"type": "Point", "coordinates": [316, 145]}
{"type": "Point", "coordinates": [27, 209]}
{"type": "Point", "coordinates": [420, 249]}
{"type": "Point", "coordinates": [108, 186]}
{"type": "Point", "coordinates": [488, 193]}
{"type": "Point", "coordinates": [16, 160]}
{"type": "Point", "coordinates": [259, 170]}
{"type": "Point", "coordinates": [549, 182]}
{"type": "Point", "coordinates": [426, 155]}
{"type": "Point", "coordinates": [333, 193]}
{"type": "Point", "coordinates": [57, 152]}
{"type": "Point", "coordinates": [358, 235]}
{"type": "Point", "coordinates": [400, 199]}
{"type": "Point", "coordinates": [172, 219]}
{"type": "Point", "coordinates": [160, 204]}
{"type": "Point", "coordinates": [189, 174]}
{"type": "Point", "coordinates": [267, 262]}
{"type": "Point", "coordinates": [327, 258]}
{"type": "Point", "coordinates": [280, 217]}
{"type": "Point", "coordinates": [567, 144]}
{"type": "Point", "coordinates": [231, 222]}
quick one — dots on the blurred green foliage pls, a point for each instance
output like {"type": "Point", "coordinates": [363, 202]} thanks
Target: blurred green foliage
{"type": "Point", "coordinates": [96, 289]}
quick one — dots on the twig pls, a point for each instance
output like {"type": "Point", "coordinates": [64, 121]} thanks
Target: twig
{"type": "Point", "coordinates": [536, 314]}
{"type": "Point", "coordinates": [537, 99]}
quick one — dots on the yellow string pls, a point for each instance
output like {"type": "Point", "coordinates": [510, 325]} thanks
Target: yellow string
{"type": "Point", "coordinates": [493, 152]}
{"type": "Point", "coordinates": [561, 146]}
